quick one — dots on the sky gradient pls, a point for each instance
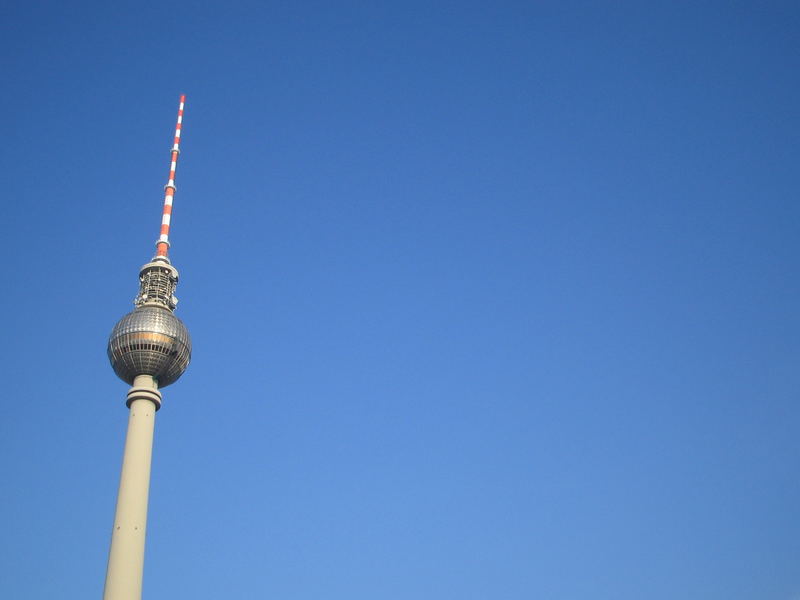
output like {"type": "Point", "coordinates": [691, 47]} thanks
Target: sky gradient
{"type": "Point", "coordinates": [487, 301]}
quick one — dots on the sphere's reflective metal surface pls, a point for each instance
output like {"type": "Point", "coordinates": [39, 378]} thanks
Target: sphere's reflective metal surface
{"type": "Point", "coordinates": [150, 341]}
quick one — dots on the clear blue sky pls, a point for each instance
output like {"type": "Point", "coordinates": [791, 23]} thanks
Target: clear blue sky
{"type": "Point", "coordinates": [489, 300]}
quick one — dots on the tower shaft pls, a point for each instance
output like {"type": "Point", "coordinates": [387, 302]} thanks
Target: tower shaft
{"type": "Point", "coordinates": [126, 557]}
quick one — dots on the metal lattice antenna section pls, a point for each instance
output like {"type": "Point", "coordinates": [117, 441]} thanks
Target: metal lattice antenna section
{"type": "Point", "coordinates": [162, 245]}
{"type": "Point", "coordinates": [157, 282]}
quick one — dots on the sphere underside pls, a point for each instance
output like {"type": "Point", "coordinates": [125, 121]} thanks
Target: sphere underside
{"type": "Point", "coordinates": [150, 341]}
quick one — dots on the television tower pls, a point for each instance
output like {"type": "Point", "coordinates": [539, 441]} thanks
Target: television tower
{"type": "Point", "coordinates": [149, 348]}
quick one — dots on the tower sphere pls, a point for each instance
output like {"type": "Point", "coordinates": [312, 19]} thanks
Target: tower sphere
{"type": "Point", "coordinates": [150, 341]}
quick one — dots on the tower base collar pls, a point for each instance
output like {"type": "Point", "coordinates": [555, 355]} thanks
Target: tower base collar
{"type": "Point", "coordinates": [144, 393]}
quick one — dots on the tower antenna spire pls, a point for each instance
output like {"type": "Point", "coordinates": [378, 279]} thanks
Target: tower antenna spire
{"type": "Point", "coordinates": [162, 245]}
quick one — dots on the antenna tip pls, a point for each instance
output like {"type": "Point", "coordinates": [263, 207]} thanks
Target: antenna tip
{"type": "Point", "coordinates": [183, 97]}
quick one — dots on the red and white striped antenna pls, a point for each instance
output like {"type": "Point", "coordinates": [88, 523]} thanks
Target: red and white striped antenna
{"type": "Point", "coordinates": [162, 245]}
